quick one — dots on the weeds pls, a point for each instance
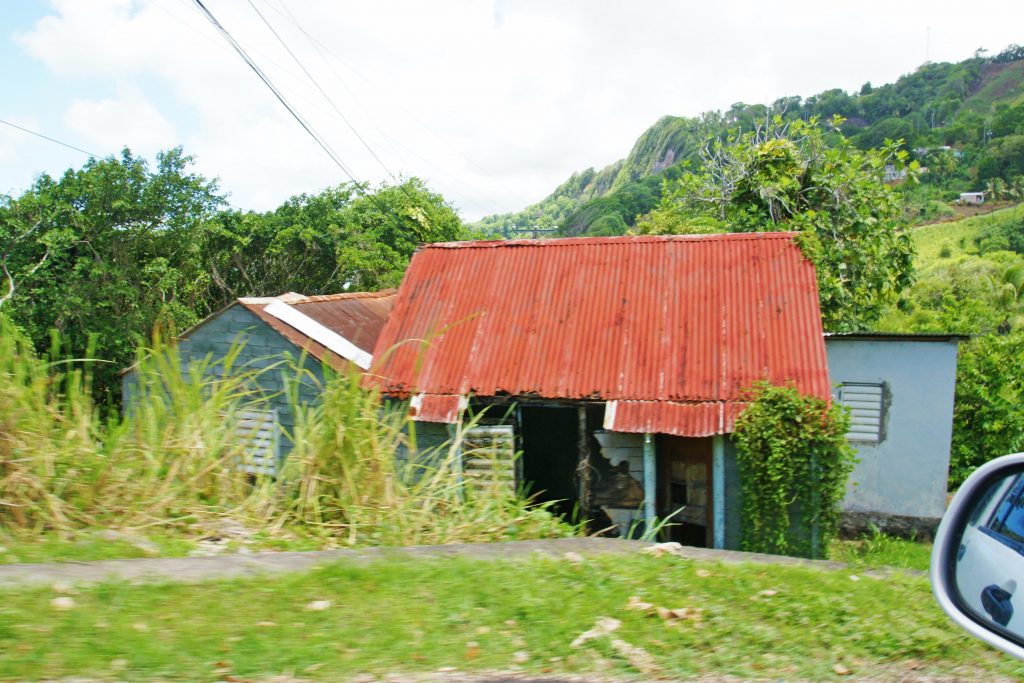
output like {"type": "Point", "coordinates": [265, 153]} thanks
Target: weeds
{"type": "Point", "coordinates": [174, 458]}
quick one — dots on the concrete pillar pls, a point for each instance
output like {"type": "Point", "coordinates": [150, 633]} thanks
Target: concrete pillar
{"type": "Point", "coordinates": [718, 490]}
{"type": "Point", "coordinates": [650, 481]}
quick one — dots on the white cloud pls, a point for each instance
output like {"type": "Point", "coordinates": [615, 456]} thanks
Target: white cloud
{"type": "Point", "coordinates": [494, 104]}
{"type": "Point", "coordinates": [129, 119]}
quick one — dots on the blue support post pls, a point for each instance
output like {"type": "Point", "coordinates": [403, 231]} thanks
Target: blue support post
{"type": "Point", "coordinates": [718, 490]}
{"type": "Point", "coordinates": [650, 482]}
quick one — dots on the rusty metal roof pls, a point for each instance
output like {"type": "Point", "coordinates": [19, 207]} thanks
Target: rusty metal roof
{"type": "Point", "coordinates": [358, 317]}
{"type": "Point", "coordinates": [666, 319]}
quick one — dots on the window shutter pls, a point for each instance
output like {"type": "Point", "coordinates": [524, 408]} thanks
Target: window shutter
{"type": "Point", "coordinates": [260, 429]}
{"type": "Point", "coordinates": [867, 410]}
{"type": "Point", "coordinates": [489, 459]}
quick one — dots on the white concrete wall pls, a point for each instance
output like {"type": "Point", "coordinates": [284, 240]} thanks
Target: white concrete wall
{"type": "Point", "coordinates": [904, 474]}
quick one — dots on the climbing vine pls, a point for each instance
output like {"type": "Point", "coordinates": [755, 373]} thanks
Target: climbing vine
{"type": "Point", "coordinates": [794, 461]}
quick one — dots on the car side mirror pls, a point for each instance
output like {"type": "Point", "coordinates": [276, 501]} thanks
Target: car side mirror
{"type": "Point", "coordinates": [977, 566]}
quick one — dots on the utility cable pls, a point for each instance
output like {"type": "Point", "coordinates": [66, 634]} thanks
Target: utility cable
{"type": "Point", "coordinates": [295, 114]}
{"type": "Point", "coordinates": [322, 91]}
{"type": "Point", "coordinates": [399, 106]}
{"type": "Point", "coordinates": [46, 137]}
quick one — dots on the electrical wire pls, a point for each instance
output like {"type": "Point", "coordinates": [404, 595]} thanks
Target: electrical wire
{"type": "Point", "coordinates": [399, 106]}
{"type": "Point", "coordinates": [361, 187]}
{"type": "Point", "coordinates": [327, 97]}
{"type": "Point", "coordinates": [277, 93]}
{"type": "Point", "coordinates": [47, 137]}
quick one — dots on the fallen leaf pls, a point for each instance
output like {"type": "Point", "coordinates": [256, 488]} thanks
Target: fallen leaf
{"type": "Point", "coordinates": [63, 603]}
{"type": "Point", "coordinates": [603, 627]}
{"type": "Point", "coordinates": [639, 658]}
{"type": "Point", "coordinates": [659, 549]}
{"type": "Point", "coordinates": [638, 605]}
{"type": "Point", "coordinates": [574, 558]}
{"type": "Point", "coordinates": [841, 670]}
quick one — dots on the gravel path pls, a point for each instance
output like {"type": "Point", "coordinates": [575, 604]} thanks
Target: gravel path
{"type": "Point", "coordinates": [199, 569]}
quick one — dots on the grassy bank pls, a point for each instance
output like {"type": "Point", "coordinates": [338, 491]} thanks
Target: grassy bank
{"type": "Point", "coordinates": [173, 463]}
{"type": "Point", "coordinates": [754, 621]}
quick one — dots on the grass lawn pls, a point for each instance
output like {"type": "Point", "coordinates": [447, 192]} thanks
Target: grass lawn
{"type": "Point", "coordinates": [758, 621]}
{"type": "Point", "coordinates": [106, 544]}
{"type": "Point", "coordinates": [879, 550]}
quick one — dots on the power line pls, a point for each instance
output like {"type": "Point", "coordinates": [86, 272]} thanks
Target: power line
{"type": "Point", "coordinates": [321, 90]}
{"type": "Point", "coordinates": [46, 137]}
{"type": "Point", "coordinates": [473, 195]}
{"type": "Point", "coordinates": [399, 105]}
{"type": "Point", "coordinates": [277, 93]}
{"type": "Point", "coordinates": [291, 110]}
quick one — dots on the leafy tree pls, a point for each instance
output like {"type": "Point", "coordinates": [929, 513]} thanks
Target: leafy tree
{"type": "Point", "coordinates": [336, 240]}
{"type": "Point", "coordinates": [108, 250]}
{"type": "Point", "coordinates": [788, 176]}
{"type": "Point", "coordinates": [988, 419]}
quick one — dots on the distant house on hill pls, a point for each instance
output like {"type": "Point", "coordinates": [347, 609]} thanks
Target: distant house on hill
{"type": "Point", "coordinates": [971, 198]}
{"type": "Point", "coordinates": [616, 365]}
{"type": "Point", "coordinates": [339, 330]}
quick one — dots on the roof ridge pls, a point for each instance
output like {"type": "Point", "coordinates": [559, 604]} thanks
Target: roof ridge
{"type": "Point", "coordinates": [611, 240]}
{"type": "Point", "coordinates": [348, 295]}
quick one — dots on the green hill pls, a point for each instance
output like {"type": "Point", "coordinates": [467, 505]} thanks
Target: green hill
{"type": "Point", "coordinates": [965, 120]}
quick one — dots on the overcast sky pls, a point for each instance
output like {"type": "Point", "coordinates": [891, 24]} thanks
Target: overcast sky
{"type": "Point", "coordinates": [492, 103]}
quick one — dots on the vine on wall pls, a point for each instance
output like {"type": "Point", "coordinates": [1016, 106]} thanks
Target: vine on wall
{"type": "Point", "coordinates": [794, 461]}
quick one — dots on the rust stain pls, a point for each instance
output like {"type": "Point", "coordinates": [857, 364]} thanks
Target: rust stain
{"type": "Point", "coordinates": [671, 327]}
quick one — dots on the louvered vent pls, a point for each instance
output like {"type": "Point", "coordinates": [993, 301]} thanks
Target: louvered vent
{"type": "Point", "coordinates": [260, 430]}
{"type": "Point", "coordinates": [489, 459]}
{"type": "Point", "coordinates": [867, 410]}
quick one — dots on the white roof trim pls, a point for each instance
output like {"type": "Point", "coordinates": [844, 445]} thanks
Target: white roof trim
{"type": "Point", "coordinates": [609, 415]}
{"type": "Point", "coordinates": [318, 333]}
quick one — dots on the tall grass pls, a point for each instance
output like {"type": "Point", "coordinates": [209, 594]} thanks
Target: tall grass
{"type": "Point", "coordinates": [347, 481]}
{"type": "Point", "coordinates": [173, 458]}
{"type": "Point", "coordinates": [65, 465]}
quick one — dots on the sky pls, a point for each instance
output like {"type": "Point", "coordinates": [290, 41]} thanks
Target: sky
{"type": "Point", "coordinates": [492, 103]}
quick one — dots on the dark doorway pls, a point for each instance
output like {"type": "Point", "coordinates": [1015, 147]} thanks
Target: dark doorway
{"type": "Point", "coordinates": [550, 455]}
{"type": "Point", "coordinates": [684, 489]}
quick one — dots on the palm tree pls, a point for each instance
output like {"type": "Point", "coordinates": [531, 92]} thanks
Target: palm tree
{"type": "Point", "coordinates": [995, 189]}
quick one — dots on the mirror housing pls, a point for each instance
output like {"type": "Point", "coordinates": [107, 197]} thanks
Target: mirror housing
{"type": "Point", "coordinates": [949, 571]}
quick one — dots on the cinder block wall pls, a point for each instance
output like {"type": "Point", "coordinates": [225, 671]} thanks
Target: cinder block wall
{"type": "Point", "coordinates": [263, 348]}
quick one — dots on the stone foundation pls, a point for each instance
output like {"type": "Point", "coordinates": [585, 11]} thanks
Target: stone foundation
{"type": "Point", "coordinates": [856, 524]}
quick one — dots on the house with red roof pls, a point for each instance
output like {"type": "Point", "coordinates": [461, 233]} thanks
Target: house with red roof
{"type": "Point", "coordinates": [615, 365]}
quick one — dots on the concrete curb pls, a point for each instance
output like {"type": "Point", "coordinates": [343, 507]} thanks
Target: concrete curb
{"type": "Point", "coordinates": [200, 569]}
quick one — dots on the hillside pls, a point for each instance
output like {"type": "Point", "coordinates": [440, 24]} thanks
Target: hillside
{"type": "Point", "coordinates": [970, 277]}
{"type": "Point", "coordinates": [974, 107]}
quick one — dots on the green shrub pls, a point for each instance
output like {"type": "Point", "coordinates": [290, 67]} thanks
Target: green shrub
{"type": "Point", "coordinates": [794, 461]}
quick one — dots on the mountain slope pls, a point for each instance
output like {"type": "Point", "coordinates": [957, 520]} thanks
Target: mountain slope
{"type": "Point", "coordinates": [939, 104]}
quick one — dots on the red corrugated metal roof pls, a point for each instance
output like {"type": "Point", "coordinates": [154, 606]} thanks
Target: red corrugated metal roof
{"type": "Point", "coordinates": [679, 319]}
{"type": "Point", "coordinates": [356, 316]}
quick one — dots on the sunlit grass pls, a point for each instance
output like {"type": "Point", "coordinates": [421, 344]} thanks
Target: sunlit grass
{"type": "Point", "coordinates": [881, 550]}
{"type": "Point", "coordinates": [758, 621]}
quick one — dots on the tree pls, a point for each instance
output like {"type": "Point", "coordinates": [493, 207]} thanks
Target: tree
{"type": "Point", "coordinates": [788, 176]}
{"type": "Point", "coordinates": [988, 417]}
{"type": "Point", "coordinates": [110, 250]}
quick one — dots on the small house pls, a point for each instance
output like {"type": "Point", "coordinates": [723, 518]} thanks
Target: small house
{"type": "Point", "coordinates": [339, 330]}
{"type": "Point", "coordinates": [899, 389]}
{"type": "Point", "coordinates": [971, 198]}
{"type": "Point", "coordinates": [616, 365]}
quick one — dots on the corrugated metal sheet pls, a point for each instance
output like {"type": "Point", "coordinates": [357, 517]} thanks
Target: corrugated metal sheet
{"type": "Point", "coordinates": [446, 409]}
{"type": "Point", "coordinates": [359, 317]}
{"type": "Point", "coordinates": [679, 319]}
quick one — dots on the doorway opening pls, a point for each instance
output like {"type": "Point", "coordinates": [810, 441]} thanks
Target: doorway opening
{"type": "Point", "coordinates": [684, 489]}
